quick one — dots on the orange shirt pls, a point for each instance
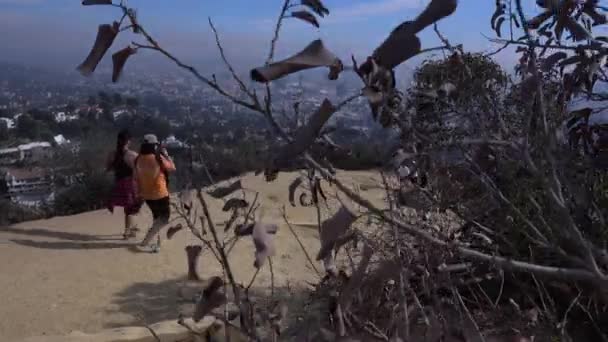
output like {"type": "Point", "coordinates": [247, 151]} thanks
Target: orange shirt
{"type": "Point", "coordinates": [150, 178]}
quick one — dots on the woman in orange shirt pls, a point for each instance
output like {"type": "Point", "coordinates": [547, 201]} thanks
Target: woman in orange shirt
{"type": "Point", "coordinates": [152, 167]}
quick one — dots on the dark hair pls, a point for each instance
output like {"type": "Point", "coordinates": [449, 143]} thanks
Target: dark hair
{"type": "Point", "coordinates": [121, 141]}
{"type": "Point", "coordinates": [147, 148]}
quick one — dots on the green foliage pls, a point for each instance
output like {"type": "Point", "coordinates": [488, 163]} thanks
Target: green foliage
{"type": "Point", "coordinates": [4, 132]}
{"type": "Point", "coordinates": [89, 194]}
{"type": "Point", "coordinates": [30, 128]}
{"type": "Point", "coordinates": [132, 102]}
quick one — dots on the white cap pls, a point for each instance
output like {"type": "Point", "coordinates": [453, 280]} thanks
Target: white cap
{"type": "Point", "coordinates": [150, 139]}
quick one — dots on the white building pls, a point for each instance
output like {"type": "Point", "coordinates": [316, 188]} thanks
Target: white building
{"type": "Point", "coordinates": [29, 186]}
{"type": "Point", "coordinates": [119, 113]}
{"type": "Point", "coordinates": [10, 123]}
{"type": "Point", "coordinates": [63, 117]}
{"type": "Point", "coordinates": [60, 140]}
{"type": "Point", "coordinates": [22, 152]}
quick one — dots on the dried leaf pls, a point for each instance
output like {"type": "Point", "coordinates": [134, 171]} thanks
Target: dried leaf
{"type": "Point", "coordinates": [292, 190]}
{"type": "Point", "coordinates": [305, 135]}
{"type": "Point", "coordinates": [247, 229]}
{"type": "Point", "coordinates": [590, 10]}
{"type": "Point", "coordinates": [303, 202]}
{"type": "Point", "coordinates": [569, 61]}
{"type": "Point", "coordinates": [538, 20]}
{"type": "Point", "coordinates": [551, 5]}
{"type": "Point", "coordinates": [96, 2]}
{"type": "Point", "coordinates": [333, 229]}
{"type": "Point", "coordinates": [374, 98]}
{"type": "Point", "coordinates": [193, 253]}
{"type": "Point", "coordinates": [119, 59]}
{"type": "Point", "coordinates": [515, 21]}
{"type": "Point", "coordinates": [399, 46]}
{"type": "Point", "coordinates": [435, 11]}
{"type": "Point", "coordinates": [105, 37]}
{"type": "Point", "coordinates": [550, 61]}
{"type": "Point", "coordinates": [244, 229]}
{"type": "Point", "coordinates": [222, 192]}
{"type": "Point", "coordinates": [500, 11]}
{"type": "Point", "coordinates": [172, 230]}
{"type": "Point", "coordinates": [578, 31]}
{"type": "Point", "coordinates": [499, 26]}
{"type": "Point", "coordinates": [313, 56]}
{"type": "Point", "coordinates": [318, 191]}
{"type": "Point", "coordinates": [231, 220]}
{"type": "Point", "coordinates": [263, 242]}
{"type": "Point", "coordinates": [211, 298]}
{"type": "Point", "coordinates": [306, 16]}
{"type": "Point", "coordinates": [235, 203]}
{"type": "Point", "coordinates": [316, 6]}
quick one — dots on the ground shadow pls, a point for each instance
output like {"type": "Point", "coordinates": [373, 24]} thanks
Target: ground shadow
{"type": "Point", "coordinates": [148, 302]}
{"type": "Point", "coordinates": [42, 232]}
{"type": "Point", "coordinates": [71, 244]}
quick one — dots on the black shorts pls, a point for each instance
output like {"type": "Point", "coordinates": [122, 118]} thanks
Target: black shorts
{"type": "Point", "coordinates": [161, 208]}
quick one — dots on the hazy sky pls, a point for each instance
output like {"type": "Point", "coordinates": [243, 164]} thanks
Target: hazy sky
{"type": "Point", "coordinates": [60, 32]}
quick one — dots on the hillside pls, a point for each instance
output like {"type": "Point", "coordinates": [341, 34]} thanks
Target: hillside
{"type": "Point", "coordinates": [74, 273]}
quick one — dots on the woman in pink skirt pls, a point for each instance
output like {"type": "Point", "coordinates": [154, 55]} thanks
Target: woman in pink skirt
{"type": "Point", "coordinates": [124, 194]}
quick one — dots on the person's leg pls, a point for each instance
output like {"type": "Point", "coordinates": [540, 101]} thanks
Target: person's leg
{"type": "Point", "coordinates": [129, 225]}
{"type": "Point", "coordinates": [160, 214]}
{"type": "Point", "coordinates": [164, 213]}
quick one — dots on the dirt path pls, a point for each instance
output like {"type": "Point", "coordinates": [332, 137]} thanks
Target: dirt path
{"type": "Point", "coordinates": [74, 273]}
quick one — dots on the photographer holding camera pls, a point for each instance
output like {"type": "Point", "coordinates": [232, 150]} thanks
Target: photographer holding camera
{"type": "Point", "coordinates": [152, 168]}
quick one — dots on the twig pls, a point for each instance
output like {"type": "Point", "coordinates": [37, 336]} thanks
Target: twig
{"type": "Point", "coordinates": [271, 277]}
{"type": "Point", "coordinates": [469, 315]}
{"type": "Point", "coordinates": [277, 29]}
{"type": "Point", "coordinates": [300, 243]}
{"type": "Point", "coordinates": [253, 278]}
{"type": "Point", "coordinates": [562, 325]}
{"type": "Point", "coordinates": [229, 66]}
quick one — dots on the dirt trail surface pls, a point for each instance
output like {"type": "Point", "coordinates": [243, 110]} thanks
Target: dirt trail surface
{"type": "Point", "coordinates": [75, 273]}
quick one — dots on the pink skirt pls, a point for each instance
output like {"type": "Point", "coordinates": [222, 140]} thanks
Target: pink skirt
{"type": "Point", "coordinates": [124, 194]}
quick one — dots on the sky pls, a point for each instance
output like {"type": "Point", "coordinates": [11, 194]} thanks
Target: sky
{"type": "Point", "coordinates": [59, 33]}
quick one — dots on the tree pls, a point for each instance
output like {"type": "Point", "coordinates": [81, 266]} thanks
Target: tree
{"type": "Point", "coordinates": [4, 132]}
{"type": "Point", "coordinates": [28, 128]}
{"type": "Point", "coordinates": [117, 98]}
{"type": "Point", "coordinates": [103, 96]}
